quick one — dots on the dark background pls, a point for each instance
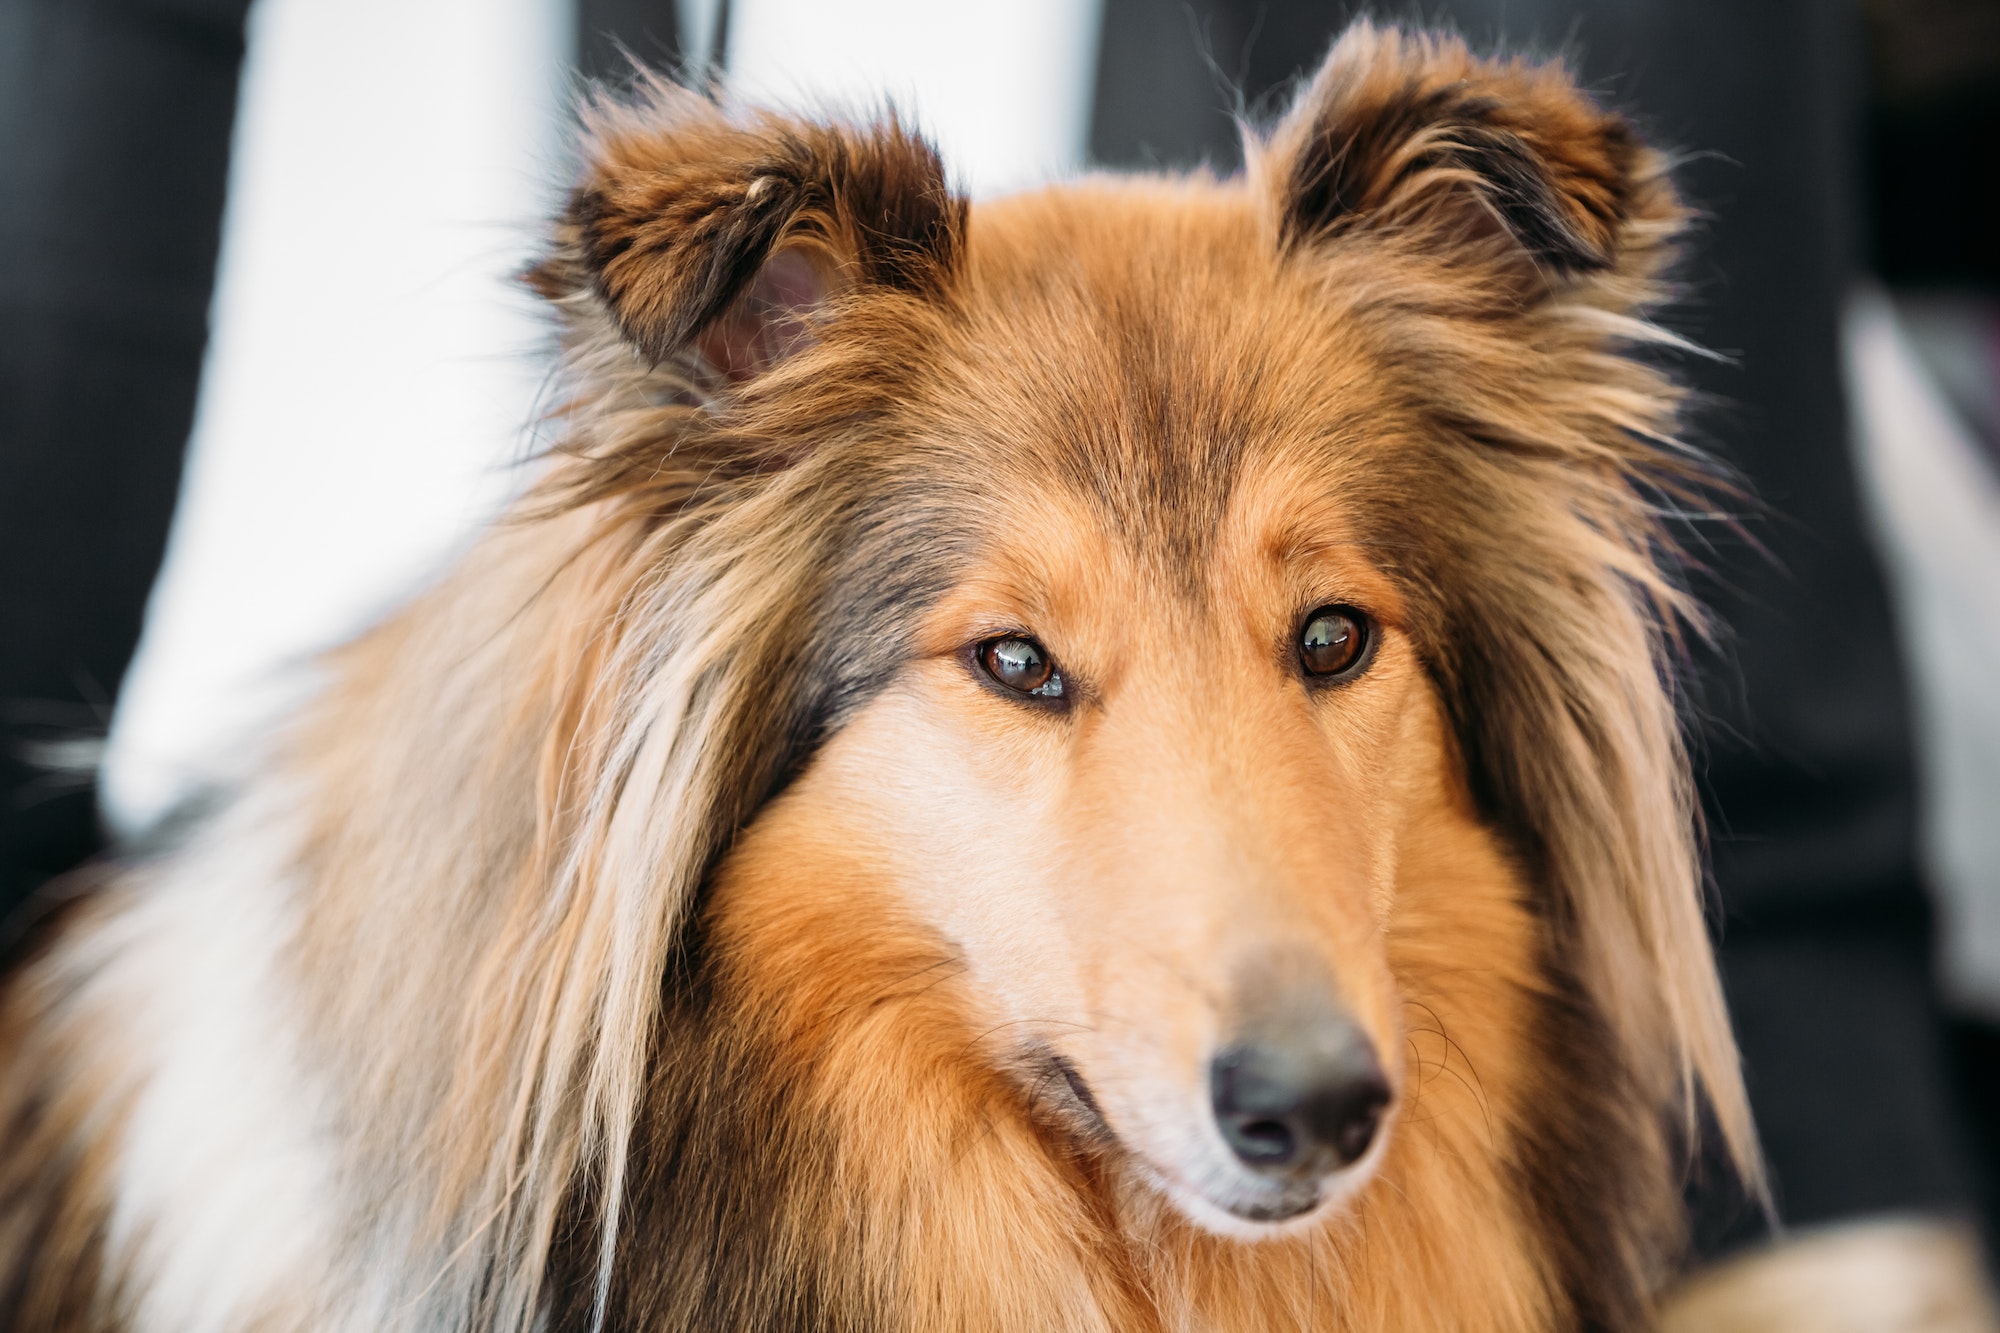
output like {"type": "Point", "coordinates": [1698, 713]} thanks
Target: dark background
{"type": "Point", "coordinates": [114, 151]}
{"type": "Point", "coordinates": [1824, 142]}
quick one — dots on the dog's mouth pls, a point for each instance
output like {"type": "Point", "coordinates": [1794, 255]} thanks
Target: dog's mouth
{"type": "Point", "coordinates": [1284, 1206]}
{"type": "Point", "coordinates": [1079, 1090]}
{"type": "Point", "coordinates": [1214, 1194]}
{"type": "Point", "coordinates": [1059, 1092]}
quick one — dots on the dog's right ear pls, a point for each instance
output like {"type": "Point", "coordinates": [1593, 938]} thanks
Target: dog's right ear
{"type": "Point", "coordinates": [720, 237]}
{"type": "Point", "coordinates": [1505, 166]}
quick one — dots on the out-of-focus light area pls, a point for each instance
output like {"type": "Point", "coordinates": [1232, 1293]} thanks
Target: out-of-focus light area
{"type": "Point", "coordinates": [372, 369]}
{"type": "Point", "coordinates": [1003, 89]}
{"type": "Point", "coordinates": [374, 375]}
{"type": "Point", "coordinates": [1935, 501]}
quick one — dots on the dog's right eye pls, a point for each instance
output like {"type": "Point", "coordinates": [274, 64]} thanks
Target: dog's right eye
{"type": "Point", "coordinates": [1021, 665]}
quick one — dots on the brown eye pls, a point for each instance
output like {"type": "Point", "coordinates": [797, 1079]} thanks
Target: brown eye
{"type": "Point", "coordinates": [1022, 665]}
{"type": "Point", "coordinates": [1334, 642]}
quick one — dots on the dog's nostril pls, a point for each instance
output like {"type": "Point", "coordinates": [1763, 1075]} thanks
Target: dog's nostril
{"type": "Point", "coordinates": [1259, 1142]}
{"type": "Point", "coordinates": [1299, 1108]}
{"type": "Point", "coordinates": [1353, 1120]}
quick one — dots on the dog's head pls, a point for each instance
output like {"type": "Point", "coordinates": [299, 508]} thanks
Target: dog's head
{"type": "Point", "coordinates": [1169, 596]}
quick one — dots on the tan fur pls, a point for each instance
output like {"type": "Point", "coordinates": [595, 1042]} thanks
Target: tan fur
{"type": "Point", "coordinates": [675, 933]}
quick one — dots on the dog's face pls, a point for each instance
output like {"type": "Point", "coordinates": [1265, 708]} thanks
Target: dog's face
{"type": "Point", "coordinates": [1142, 578]}
{"type": "Point", "coordinates": [1149, 767]}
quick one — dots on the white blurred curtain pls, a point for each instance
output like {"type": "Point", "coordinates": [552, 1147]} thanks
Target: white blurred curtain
{"type": "Point", "coordinates": [1935, 504]}
{"type": "Point", "coordinates": [371, 370]}
{"type": "Point", "coordinates": [1005, 89]}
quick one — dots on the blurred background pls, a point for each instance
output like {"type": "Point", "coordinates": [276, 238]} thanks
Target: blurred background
{"type": "Point", "coordinates": [263, 369]}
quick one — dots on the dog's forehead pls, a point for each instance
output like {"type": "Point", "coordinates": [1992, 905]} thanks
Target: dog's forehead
{"type": "Point", "coordinates": [1145, 343]}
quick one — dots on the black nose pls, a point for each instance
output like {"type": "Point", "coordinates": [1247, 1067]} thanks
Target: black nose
{"type": "Point", "coordinates": [1299, 1104]}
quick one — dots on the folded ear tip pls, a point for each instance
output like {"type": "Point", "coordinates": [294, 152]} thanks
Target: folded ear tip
{"type": "Point", "coordinates": [690, 216]}
{"type": "Point", "coordinates": [1401, 125]}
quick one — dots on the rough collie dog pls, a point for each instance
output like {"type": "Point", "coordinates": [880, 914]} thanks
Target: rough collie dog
{"type": "Point", "coordinates": [1100, 762]}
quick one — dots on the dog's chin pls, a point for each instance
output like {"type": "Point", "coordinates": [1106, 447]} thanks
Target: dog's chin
{"type": "Point", "coordinates": [1233, 1203]}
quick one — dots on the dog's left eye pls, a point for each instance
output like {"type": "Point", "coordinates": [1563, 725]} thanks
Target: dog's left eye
{"type": "Point", "coordinates": [1022, 665]}
{"type": "Point", "coordinates": [1334, 643]}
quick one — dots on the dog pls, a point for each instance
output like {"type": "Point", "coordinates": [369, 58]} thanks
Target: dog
{"type": "Point", "coordinates": [1106, 761]}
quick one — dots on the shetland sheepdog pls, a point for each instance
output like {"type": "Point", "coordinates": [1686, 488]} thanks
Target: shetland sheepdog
{"type": "Point", "coordinates": [1103, 761]}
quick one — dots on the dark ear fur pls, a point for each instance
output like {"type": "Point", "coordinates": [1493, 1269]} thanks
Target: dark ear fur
{"type": "Point", "coordinates": [702, 229]}
{"type": "Point", "coordinates": [1484, 160]}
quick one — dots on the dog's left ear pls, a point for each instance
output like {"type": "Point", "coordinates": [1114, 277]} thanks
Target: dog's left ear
{"type": "Point", "coordinates": [722, 237]}
{"type": "Point", "coordinates": [1505, 165]}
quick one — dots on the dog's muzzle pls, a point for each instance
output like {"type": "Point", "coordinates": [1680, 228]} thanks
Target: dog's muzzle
{"type": "Point", "coordinates": [1297, 1096]}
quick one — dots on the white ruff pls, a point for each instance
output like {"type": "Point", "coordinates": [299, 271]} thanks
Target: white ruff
{"type": "Point", "coordinates": [223, 1212]}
